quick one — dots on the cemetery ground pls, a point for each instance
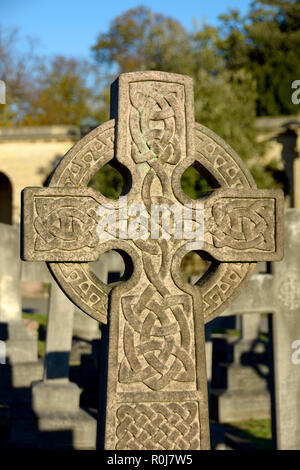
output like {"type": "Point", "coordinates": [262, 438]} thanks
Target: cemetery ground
{"type": "Point", "coordinates": [252, 434]}
{"type": "Point", "coordinates": [246, 434]}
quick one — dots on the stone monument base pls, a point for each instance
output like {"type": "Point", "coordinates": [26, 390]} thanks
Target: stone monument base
{"type": "Point", "coordinates": [55, 420]}
{"type": "Point", "coordinates": [239, 406]}
{"type": "Point", "coordinates": [16, 381]}
{"type": "Point", "coordinates": [54, 430]}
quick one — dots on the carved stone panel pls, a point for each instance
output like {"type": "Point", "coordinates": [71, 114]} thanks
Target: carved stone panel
{"type": "Point", "coordinates": [156, 396]}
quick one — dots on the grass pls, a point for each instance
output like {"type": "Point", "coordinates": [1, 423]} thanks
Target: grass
{"type": "Point", "coordinates": [227, 331]}
{"type": "Point", "coordinates": [258, 431]}
{"type": "Point", "coordinates": [42, 320]}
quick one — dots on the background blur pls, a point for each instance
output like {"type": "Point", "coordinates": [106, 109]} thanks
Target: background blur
{"type": "Point", "coordinates": [58, 59]}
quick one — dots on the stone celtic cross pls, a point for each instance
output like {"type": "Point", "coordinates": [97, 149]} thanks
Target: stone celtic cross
{"type": "Point", "coordinates": [156, 393]}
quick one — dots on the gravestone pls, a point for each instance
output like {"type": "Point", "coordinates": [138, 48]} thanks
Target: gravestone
{"type": "Point", "coordinates": [240, 383]}
{"type": "Point", "coordinates": [21, 365]}
{"type": "Point", "coordinates": [154, 381]}
{"type": "Point", "coordinates": [54, 418]}
{"type": "Point", "coordinates": [279, 293]}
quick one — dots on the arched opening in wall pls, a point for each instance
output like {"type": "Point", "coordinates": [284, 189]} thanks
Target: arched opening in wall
{"type": "Point", "coordinates": [5, 200]}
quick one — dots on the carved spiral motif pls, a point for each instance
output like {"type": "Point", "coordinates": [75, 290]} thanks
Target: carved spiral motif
{"type": "Point", "coordinates": [65, 223]}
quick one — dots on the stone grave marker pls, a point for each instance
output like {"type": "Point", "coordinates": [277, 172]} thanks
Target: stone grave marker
{"type": "Point", "coordinates": [57, 420]}
{"type": "Point", "coordinates": [279, 293]}
{"type": "Point", "coordinates": [21, 365]}
{"type": "Point", "coordinates": [156, 391]}
{"type": "Point", "coordinates": [241, 374]}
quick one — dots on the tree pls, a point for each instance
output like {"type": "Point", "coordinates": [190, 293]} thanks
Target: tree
{"type": "Point", "coordinates": [17, 71]}
{"type": "Point", "coordinates": [140, 39]}
{"type": "Point", "coordinates": [62, 94]}
{"type": "Point", "coordinates": [43, 91]}
{"type": "Point", "coordinates": [266, 42]}
{"type": "Point", "coordinates": [225, 100]}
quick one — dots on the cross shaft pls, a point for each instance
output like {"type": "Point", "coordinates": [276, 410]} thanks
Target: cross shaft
{"type": "Point", "coordinates": [156, 380]}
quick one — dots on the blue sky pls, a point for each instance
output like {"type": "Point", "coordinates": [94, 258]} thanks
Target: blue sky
{"type": "Point", "coordinates": [70, 27]}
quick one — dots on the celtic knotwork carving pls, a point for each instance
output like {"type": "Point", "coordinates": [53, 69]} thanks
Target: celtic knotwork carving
{"type": "Point", "coordinates": [164, 426]}
{"type": "Point", "coordinates": [84, 287]}
{"type": "Point", "coordinates": [220, 161]}
{"type": "Point", "coordinates": [243, 223]}
{"type": "Point", "coordinates": [65, 223]}
{"type": "Point", "coordinates": [157, 340]}
{"type": "Point", "coordinates": [156, 353]}
{"type": "Point", "coordinates": [208, 147]}
{"type": "Point", "coordinates": [156, 121]}
{"type": "Point", "coordinates": [83, 160]}
{"type": "Point", "coordinates": [225, 285]}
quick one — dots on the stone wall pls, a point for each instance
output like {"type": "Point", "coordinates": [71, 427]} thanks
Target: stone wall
{"type": "Point", "coordinates": [29, 154]}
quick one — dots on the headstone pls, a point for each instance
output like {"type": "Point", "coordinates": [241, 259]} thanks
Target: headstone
{"type": "Point", "coordinates": [240, 383]}
{"type": "Point", "coordinates": [155, 390]}
{"type": "Point", "coordinates": [21, 366]}
{"type": "Point", "coordinates": [55, 419]}
{"type": "Point", "coordinates": [279, 293]}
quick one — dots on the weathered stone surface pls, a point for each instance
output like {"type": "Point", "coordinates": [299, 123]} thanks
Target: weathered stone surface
{"type": "Point", "coordinates": [24, 374]}
{"type": "Point", "coordinates": [296, 171]}
{"type": "Point", "coordinates": [156, 384]}
{"type": "Point", "coordinates": [279, 293]}
{"type": "Point", "coordinates": [53, 431]}
{"type": "Point", "coordinates": [242, 369]}
{"type": "Point", "coordinates": [55, 396]}
{"type": "Point", "coordinates": [255, 406]}
{"type": "Point", "coordinates": [57, 417]}
{"type": "Point", "coordinates": [59, 335]}
{"type": "Point", "coordinates": [10, 275]}
{"type": "Point", "coordinates": [111, 263]}
{"type": "Point", "coordinates": [230, 234]}
{"type": "Point", "coordinates": [21, 362]}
